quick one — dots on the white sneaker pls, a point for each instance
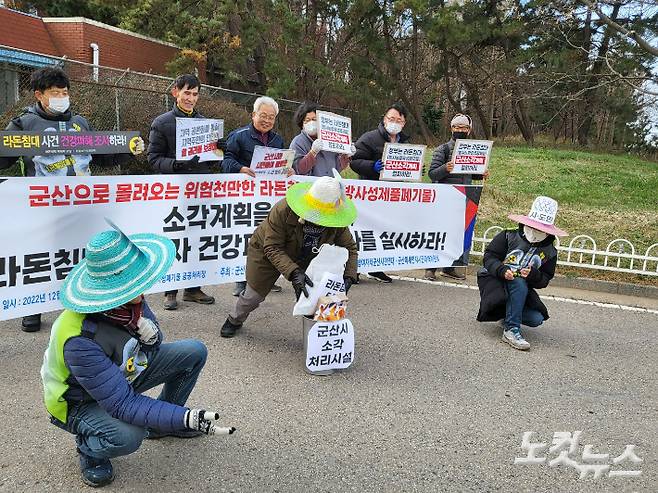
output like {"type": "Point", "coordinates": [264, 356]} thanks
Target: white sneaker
{"type": "Point", "coordinates": [514, 338]}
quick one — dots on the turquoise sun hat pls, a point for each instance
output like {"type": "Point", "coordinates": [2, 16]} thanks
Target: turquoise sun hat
{"type": "Point", "coordinates": [116, 269]}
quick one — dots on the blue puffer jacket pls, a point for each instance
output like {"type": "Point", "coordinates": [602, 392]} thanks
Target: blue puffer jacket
{"type": "Point", "coordinates": [240, 147]}
{"type": "Point", "coordinates": [103, 363]}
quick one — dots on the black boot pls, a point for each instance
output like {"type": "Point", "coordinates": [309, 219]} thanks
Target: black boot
{"type": "Point", "coordinates": [95, 472]}
{"type": "Point", "coordinates": [229, 328]}
{"type": "Point", "coordinates": [31, 323]}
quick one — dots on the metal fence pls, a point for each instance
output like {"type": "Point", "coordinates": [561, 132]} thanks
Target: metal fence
{"type": "Point", "coordinates": [620, 255]}
{"type": "Point", "coordinates": [114, 99]}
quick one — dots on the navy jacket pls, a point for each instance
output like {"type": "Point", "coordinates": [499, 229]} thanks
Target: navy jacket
{"type": "Point", "coordinates": [161, 151]}
{"type": "Point", "coordinates": [240, 147]}
{"type": "Point", "coordinates": [96, 375]}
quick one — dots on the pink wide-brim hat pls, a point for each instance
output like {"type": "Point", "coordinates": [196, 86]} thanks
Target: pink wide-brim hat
{"type": "Point", "coordinates": [541, 217]}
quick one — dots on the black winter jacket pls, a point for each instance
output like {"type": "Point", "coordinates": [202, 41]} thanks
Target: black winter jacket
{"type": "Point", "coordinates": [510, 249]}
{"type": "Point", "coordinates": [161, 151]}
{"type": "Point", "coordinates": [369, 148]}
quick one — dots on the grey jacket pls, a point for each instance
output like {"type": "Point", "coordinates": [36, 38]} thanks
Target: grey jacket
{"type": "Point", "coordinates": [439, 172]}
{"type": "Point", "coordinates": [325, 161]}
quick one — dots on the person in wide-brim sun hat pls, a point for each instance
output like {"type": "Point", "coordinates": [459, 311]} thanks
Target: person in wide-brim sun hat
{"type": "Point", "coordinates": [312, 214]}
{"type": "Point", "coordinates": [115, 270]}
{"type": "Point", "coordinates": [106, 349]}
{"type": "Point", "coordinates": [322, 202]}
{"type": "Point", "coordinates": [517, 262]}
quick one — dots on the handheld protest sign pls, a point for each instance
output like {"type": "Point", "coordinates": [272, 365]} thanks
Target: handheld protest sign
{"type": "Point", "coordinates": [471, 156]}
{"type": "Point", "coordinates": [402, 162]}
{"type": "Point", "coordinates": [18, 143]}
{"type": "Point", "coordinates": [198, 137]}
{"type": "Point", "coordinates": [329, 346]}
{"type": "Point", "coordinates": [271, 161]}
{"type": "Point", "coordinates": [335, 132]}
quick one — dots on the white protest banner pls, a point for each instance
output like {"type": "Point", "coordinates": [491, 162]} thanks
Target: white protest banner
{"type": "Point", "coordinates": [335, 132]}
{"type": "Point", "coordinates": [198, 137]}
{"type": "Point", "coordinates": [402, 162]}
{"type": "Point", "coordinates": [330, 346]}
{"type": "Point", "coordinates": [48, 221]}
{"type": "Point", "coordinates": [471, 156]}
{"type": "Point", "coordinates": [271, 161]}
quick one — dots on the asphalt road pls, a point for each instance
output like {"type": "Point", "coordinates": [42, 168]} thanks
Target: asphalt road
{"type": "Point", "coordinates": [434, 401]}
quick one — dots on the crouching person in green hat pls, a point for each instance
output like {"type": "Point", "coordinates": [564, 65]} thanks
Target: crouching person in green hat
{"type": "Point", "coordinates": [106, 349]}
{"type": "Point", "coordinates": [312, 214]}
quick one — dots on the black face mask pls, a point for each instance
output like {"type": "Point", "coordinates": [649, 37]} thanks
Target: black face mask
{"type": "Point", "coordinates": [459, 135]}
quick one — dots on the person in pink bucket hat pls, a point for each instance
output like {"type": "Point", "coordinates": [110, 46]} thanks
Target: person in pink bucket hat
{"type": "Point", "coordinates": [517, 262]}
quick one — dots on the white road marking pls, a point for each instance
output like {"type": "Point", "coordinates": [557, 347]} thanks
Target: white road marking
{"type": "Point", "coordinates": [546, 297]}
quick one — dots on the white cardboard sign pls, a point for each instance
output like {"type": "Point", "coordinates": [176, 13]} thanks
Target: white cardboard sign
{"type": "Point", "coordinates": [471, 156]}
{"type": "Point", "coordinates": [198, 137]}
{"type": "Point", "coordinates": [335, 132]}
{"type": "Point", "coordinates": [402, 162]}
{"type": "Point", "coordinates": [330, 346]}
{"type": "Point", "coordinates": [271, 161]}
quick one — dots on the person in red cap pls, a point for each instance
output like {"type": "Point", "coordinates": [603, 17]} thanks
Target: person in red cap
{"type": "Point", "coordinates": [516, 263]}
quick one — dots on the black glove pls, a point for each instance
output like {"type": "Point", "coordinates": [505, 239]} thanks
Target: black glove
{"type": "Point", "coordinates": [348, 283]}
{"type": "Point", "coordinates": [221, 145]}
{"type": "Point", "coordinates": [299, 280]}
{"type": "Point", "coordinates": [181, 166]}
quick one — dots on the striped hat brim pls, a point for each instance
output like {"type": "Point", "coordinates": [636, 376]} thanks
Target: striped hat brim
{"type": "Point", "coordinates": [85, 293]}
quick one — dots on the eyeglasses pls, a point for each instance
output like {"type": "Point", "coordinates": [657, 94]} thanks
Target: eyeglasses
{"type": "Point", "coordinates": [401, 121]}
{"type": "Point", "coordinates": [266, 117]}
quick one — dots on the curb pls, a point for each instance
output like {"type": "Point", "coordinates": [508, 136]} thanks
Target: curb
{"type": "Point", "coordinates": [584, 283]}
{"type": "Point", "coordinates": [623, 288]}
{"type": "Point", "coordinates": [587, 284]}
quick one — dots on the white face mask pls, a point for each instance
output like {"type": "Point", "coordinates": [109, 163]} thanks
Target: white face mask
{"type": "Point", "coordinates": [533, 235]}
{"type": "Point", "coordinates": [58, 105]}
{"type": "Point", "coordinates": [393, 128]}
{"type": "Point", "coordinates": [311, 128]}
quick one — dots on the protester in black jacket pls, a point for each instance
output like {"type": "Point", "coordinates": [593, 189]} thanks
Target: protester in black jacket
{"type": "Point", "coordinates": [162, 156]}
{"type": "Point", "coordinates": [516, 263]}
{"type": "Point", "coordinates": [162, 137]}
{"type": "Point", "coordinates": [367, 161]}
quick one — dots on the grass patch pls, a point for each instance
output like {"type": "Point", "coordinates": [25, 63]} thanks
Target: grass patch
{"type": "Point", "coordinates": [604, 196]}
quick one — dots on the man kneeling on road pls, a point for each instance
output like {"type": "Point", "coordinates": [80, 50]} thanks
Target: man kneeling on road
{"type": "Point", "coordinates": [311, 215]}
{"type": "Point", "coordinates": [106, 349]}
